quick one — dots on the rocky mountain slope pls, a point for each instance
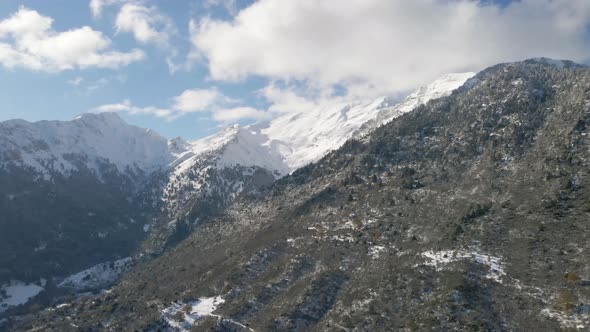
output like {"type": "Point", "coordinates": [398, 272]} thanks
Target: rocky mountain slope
{"type": "Point", "coordinates": [210, 173]}
{"type": "Point", "coordinates": [79, 197]}
{"type": "Point", "coordinates": [469, 213]}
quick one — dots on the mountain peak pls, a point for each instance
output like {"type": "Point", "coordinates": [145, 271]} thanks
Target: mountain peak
{"type": "Point", "coordinates": [294, 140]}
{"type": "Point", "coordinates": [48, 146]}
{"type": "Point", "coordinates": [387, 111]}
{"type": "Point", "coordinates": [178, 145]}
{"type": "Point", "coordinates": [106, 117]}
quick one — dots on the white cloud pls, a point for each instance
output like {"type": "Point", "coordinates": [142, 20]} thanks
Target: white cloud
{"type": "Point", "coordinates": [76, 81]}
{"type": "Point", "coordinates": [196, 100]}
{"type": "Point", "coordinates": [27, 40]}
{"type": "Point", "coordinates": [238, 113]}
{"type": "Point", "coordinates": [374, 47]}
{"type": "Point", "coordinates": [195, 53]}
{"type": "Point", "coordinates": [146, 24]}
{"type": "Point", "coordinates": [189, 101]}
{"type": "Point", "coordinates": [149, 25]}
{"type": "Point", "coordinates": [285, 100]}
{"type": "Point", "coordinates": [97, 6]}
{"type": "Point", "coordinates": [98, 84]}
{"type": "Point", "coordinates": [127, 106]}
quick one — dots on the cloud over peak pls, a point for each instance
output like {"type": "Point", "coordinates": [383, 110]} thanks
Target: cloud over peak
{"type": "Point", "coordinates": [196, 100]}
{"type": "Point", "coordinates": [376, 46]}
{"type": "Point", "coordinates": [211, 101]}
{"type": "Point", "coordinates": [229, 115]}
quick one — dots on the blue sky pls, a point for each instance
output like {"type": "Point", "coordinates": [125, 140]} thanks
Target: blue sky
{"type": "Point", "coordinates": [34, 95]}
{"type": "Point", "coordinates": [189, 68]}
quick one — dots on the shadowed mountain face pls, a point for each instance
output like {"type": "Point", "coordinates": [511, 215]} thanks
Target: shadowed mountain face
{"type": "Point", "coordinates": [73, 193]}
{"type": "Point", "coordinates": [470, 213]}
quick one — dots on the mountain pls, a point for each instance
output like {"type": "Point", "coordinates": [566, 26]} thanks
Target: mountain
{"type": "Point", "coordinates": [85, 200]}
{"type": "Point", "coordinates": [442, 87]}
{"type": "Point", "coordinates": [468, 213]}
{"type": "Point", "coordinates": [206, 176]}
{"type": "Point", "coordinates": [74, 194]}
{"type": "Point", "coordinates": [294, 140]}
{"type": "Point", "coordinates": [210, 173]}
{"type": "Point", "coordinates": [87, 143]}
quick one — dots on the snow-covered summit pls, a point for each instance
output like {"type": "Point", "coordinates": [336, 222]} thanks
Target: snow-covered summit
{"type": "Point", "coordinates": [309, 135]}
{"type": "Point", "coordinates": [294, 140]}
{"type": "Point", "coordinates": [441, 87]}
{"type": "Point", "coordinates": [91, 138]}
{"type": "Point", "coordinates": [233, 146]}
{"type": "Point", "coordinates": [281, 145]}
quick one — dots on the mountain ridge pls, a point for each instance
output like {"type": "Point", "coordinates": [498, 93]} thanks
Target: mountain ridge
{"type": "Point", "coordinates": [163, 200]}
{"type": "Point", "coordinates": [42, 145]}
{"type": "Point", "coordinates": [347, 243]}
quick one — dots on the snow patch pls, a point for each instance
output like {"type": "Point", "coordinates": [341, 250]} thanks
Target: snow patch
{"type": "Point", "coordinates": [375, 251]}
{"type": "Point", "coordinates": [343, 238]}
{"type": "Point", "coordinates": [17, 293]}
{"type": "Point", "coordinates": [573, 321]}
{"type": "Point", "coordinates": [182, 316]}
{"type": "Point", "coordinates": [440, 259]}
{"type": "Point", "coordinates": [98, 276]}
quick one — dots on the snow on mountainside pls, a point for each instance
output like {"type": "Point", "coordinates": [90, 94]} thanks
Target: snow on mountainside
{"type": "Point", "coordinates": [219, 167]}
{"type": "Point", "coordinates": [231, 147]}
{"type": "Point", "coordinates": [59, 146]}
{"type": "Point", "coordinates": [213, 170]}
{"type": "Point", "coordinates": [307, 136]}
{"type": "Point", "coordinates": [437, 89]}
{"type": "Point", "coordinates": [209, 173]}
{"type": "Point", "coordinates": [294, 140]}
{"type": "Point", "coordinates": [97, 276]}
{"type": "Point", "coordinates": [281, 145]}
{"type": "Point", "coordinates": [199, 178]}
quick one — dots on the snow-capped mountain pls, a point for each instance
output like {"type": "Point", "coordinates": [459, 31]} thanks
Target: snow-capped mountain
{"type": "Point", "coordinates": [75, 193]}
{"type": "Point", "coordinates": [210, 173]}
{"type": "Point", "coordinates": [296, 139]}
{"type": "Point", "coordinates": [103, 190]}
{"type": "Point", "coordinates": [89, 140]}
{"type": "Point", "coordinates": [470, 213]}
{"type": "Point", "coordinates": [440, 88]}
{"type": "Point", "coordinates": [281, 145]}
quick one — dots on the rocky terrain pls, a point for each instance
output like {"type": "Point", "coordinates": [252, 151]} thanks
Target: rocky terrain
{"type": "Point", "coordinates": [85, 200]}
{"type": "Point", "coordinates": [469, 213]}
{"type": "Point", "coordinates": [208, 174]}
